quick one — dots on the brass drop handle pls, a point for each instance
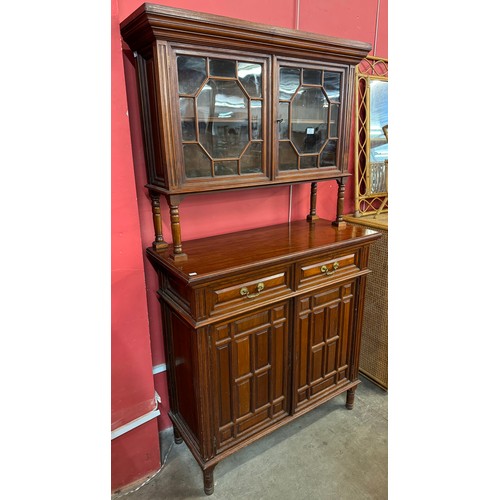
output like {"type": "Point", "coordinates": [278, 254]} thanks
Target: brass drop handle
{"type": "Point", "coordinates": [246, 293]}
{"type": "Point", "coordinates": [324, 269]}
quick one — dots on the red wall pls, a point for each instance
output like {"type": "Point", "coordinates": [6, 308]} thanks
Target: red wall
{"type": "Point", "coordinates": [136, 345]}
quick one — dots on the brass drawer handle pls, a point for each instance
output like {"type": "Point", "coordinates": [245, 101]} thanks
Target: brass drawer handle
{"type": "Point", "coordinates": [246, 293]}
{"type": "Point", "coordinates": [324, 269]}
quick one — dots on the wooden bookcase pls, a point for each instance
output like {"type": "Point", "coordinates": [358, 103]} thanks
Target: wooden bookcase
{"type": "Point", "coordinates": [262, 325]}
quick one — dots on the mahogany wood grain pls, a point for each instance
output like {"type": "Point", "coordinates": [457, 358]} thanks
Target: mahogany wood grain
{"type": "Point", "coordinates": [245, 364]}
{"type": "Point", "coordinates": [260, 326]}
{"type": "Point", "coordinates": [150, 22]}
{"type": "Point", "coordinates": [312, 216]}
{"type": "Point", "coordinates": [215, 256]}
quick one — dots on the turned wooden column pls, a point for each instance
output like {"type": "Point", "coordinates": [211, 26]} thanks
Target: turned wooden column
{"type": "Point", "coordinates": [312, 203]}
{"type": "Point", "coordinates": [339, 221]}
{"type": "Point", "coordinates": [158, 243]}
{"type": "Point", "coordinates": [208, 479]}
{"type": "Point", "coordinates": [349, 403]}
{"type": "Point", "coordinates": [175, 224]}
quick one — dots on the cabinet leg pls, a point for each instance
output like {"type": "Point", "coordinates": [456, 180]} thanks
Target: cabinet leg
{"type": "Point", "coordinates": [208, 479]}
{"type": "Point", "coordinates": [177, 436]}
{"type": "Point", "coordinates": [349, 403]}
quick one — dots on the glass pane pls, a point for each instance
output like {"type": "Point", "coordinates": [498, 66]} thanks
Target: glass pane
{"type": "Point", "coordinates": [312, 76]}
{"type": "Point", "coordinates": [334, 120]}
{"type": "Point", "coordinates": [289, 82]}
{"type": "Point", "coordinates": [379, 134]}
{"type": "Point", "coordinates": [256, 112]}
{"type": "Point", "coordinates": [308, 161]}
{"type": "Point", "coordinates": [226, 167]}
{"type": "Point", "coordinates": [332, 85]}
{"type": "Point", "coordinates": [250, 75]}
{"type": "Point", "coordinates": [288, 157]}
{"type": "Point", "coordinates": [222, 67]}
{"type": "Point", "coordinates": [329, 155]}
{"type": "Point", "coordinates": [187, 119]}
{"type": "Point", "coordinates": [309, 120]}
{"type": "Point", "coordinates": [196, 162]}
{"type": "Point", "coordinates": [283, 120]}
{"type": "Point", "coordinates": [192, 72]}
{"type": "Point", "coordinates": [251, 161]}
{"type": "Point", "coordinates": [378, 177]}
{"type": "Point", "coordinates": [223, 118]}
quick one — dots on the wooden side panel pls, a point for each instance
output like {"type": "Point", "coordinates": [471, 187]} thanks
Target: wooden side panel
{"type": "Point", "coordinates": [250, 361]}
{"type": "Point", "coordinates": [146, 75]}
{"type": "Point", "coordinates": [182, 361]}
{"type": "Point", "coordinates": [321, 350]}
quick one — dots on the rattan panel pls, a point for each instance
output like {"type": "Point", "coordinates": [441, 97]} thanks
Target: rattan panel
{"type": "Point", "coordinates": [374, 341]}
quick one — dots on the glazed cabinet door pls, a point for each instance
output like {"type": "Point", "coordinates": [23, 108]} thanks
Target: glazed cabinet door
{"type": "Point", "coordinates": [250, 373]}
{"type": "Point", "coordinates": [322, 342]}
{"type": "Point", "coordinates": [310, 106]}
{"type": "Point", "coordinates": [221, 102]}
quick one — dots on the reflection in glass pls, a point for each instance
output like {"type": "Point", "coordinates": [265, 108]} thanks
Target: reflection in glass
{"type": "Point", "coordinates": [222, 67]}
{"type": "Point", "coordinates": [288, 157]}
{"type": "Point", "coordinates": [289, 82]}
{"type": "Point", "coordinates": [250, 75]}
{"type": "Point", "coordinates": [196, 162]}
{"type": "Point", "coordinates": [192, 72]}
{"type": "Point", "coordinates": [379, 151]}
{"type": "Point", "coordinates": [309, 120]}
{"type": "Point", "coordinates": [312, 76]}
{"type": "Point", "coordinates": [223, 118]}
{"type": "Point", "coordinates": [283, 120]}
{"type": "Point", "coordinates": [329, 155]}
{"type": "Point", "coordinates": [334, 119]}
{"type": "Point", "coordinates": [256, 113]}
{"type": "Point", "coordinates": [332, 85]}
{"type": "Point", "coordinates": [308, 161]}
{"type": "Point", "coordinates": [187, 119]}
{"type": "Point", "coordinates": [226, 167]}
{"type": "Point", "coordinates": [251, 161]}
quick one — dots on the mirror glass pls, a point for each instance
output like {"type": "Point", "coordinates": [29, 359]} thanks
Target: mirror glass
{"type": "Point", "coordinates": [378, 135]}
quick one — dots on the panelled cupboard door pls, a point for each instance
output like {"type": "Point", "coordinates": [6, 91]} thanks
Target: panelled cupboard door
{"type": "Point", "coordinates": [250, 371]}
{"type": "Point", "coordinates": [322, 342]}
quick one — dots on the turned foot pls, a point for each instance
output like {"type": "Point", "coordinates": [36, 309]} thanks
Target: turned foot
{"type": "Point", "coordinates": [349, 403]}
{"type": "Point", "coordinates": [208, 479]}
{"type": "Point", "coordinates": [177, 436]}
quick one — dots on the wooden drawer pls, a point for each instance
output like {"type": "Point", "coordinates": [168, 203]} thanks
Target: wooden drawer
{"type": "Point", "coordinates": [326, 268]}
{"type": "Point", "coordinates": [248, 290]}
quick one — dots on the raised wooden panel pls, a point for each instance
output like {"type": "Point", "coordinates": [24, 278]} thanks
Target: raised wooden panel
{"type": "Point", "coordinates": [322, 342]}
{"type": "Point", "coordinates": [250, 373]}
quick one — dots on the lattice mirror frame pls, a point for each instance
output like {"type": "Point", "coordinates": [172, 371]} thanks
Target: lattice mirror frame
{"type": "Point", "coordinates": [371, 178]}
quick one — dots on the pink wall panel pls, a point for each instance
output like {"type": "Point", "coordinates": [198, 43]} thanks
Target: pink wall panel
{"type": "Point", "coordinates": [354, 19]}
{"type": "Point", "coordinates": [275, 12]}
{"type": "Point", "coordinates": [381, 48]}
{"type": "Point", "coordinates": [132, 385]}
{"type": "Point", "coordinates": [134, 455]}
{"type": "Point", "coordinates": [137, 344]}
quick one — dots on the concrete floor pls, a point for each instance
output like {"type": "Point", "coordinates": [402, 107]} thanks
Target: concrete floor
{"type": "Point", "coordinates": [328, 454]}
